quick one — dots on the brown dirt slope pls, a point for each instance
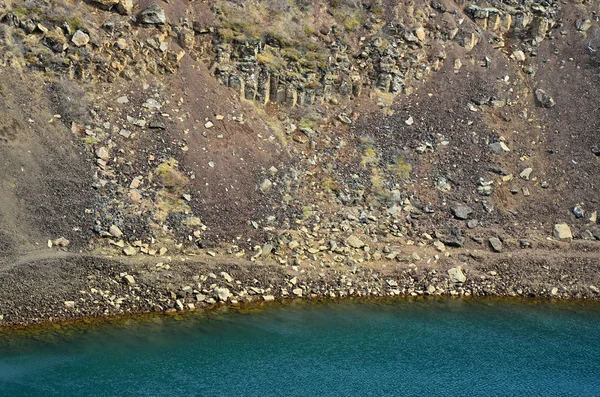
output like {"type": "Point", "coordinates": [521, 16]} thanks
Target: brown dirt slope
{"type": "Point", "coordinates": [45, 173]}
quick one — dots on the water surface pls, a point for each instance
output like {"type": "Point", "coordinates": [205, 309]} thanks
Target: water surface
{"type": "Point", "coordinates": [435, 348]}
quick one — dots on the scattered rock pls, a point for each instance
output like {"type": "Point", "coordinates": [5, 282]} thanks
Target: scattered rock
{"type": "Point", "coordinates": [484, 190]}
{"type": "Point", "coordinates": [80, 38]}
{"type": "Point", "coordinates": [544, 98]}
{"type": "Point", "coordinates": [496, 244]}
{"type": "Point", "coordinates": [153, 15]}
{"type": "Point", "coordinates": [69, 305]}
{"type": "Point", "coordinates": [456, 275]}
{"type": "Point", "coordinates": [115, 231]}
{"type": "Point", "coordinates": [60, 242]}
{"type": "Point", "coordinates": [526, 173]}
{"type": "Point", "coordinates": [420, 33]}
{"type": "Point", "coordinates": [129, 280]}
{"type": "Point", "coordinates": [354, 242]}
{"type": "Point", "coordinates": [297, 291]}
{"type": "Point", "coordinates": [519, 56]}
{"type": "Point", "coordinates": [129, 251]}
{"type": "Point", "coordinates": [266, 185]}
{"type": "Point", "coordinates": [268, 298]}
{"type": "Point", "coordinates": [227, 277]}
{"type": "Point", "coordinates": [562, 232]}
{"type": "Point", "coordinates": [102, 153]}
{"type": "Point", "coordinates": [451, 235]}
{"type": "Point", "coordinates": [499, 147]}
{"type": "Point", "coordinates": [461, 211]}
{"type": "Point", "coordinates": [125, 7]}
{"type": "Point", "coordinates": [200, 297]}
{"type": "Point", "coordinates": [156, 125]}
{"type": "Point", "coordinates": [439, 246]}
{"type": "Point", "coordinates": [223, 294]}
{"type": "Point", "coordinates": [151, 103]}
{"type": "Point", "coordinates": [578, 211]}
{"type": "Point", "coordinates": [587, 235]}
{"type": "Point", "coordinates": [106, 4]}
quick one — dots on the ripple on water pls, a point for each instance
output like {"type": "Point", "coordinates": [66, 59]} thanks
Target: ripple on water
{"type": "Point", "coordinates": [412, 347]}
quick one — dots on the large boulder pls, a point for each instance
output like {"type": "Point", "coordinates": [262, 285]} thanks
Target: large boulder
{"type": "Point", "coordinates": [153, 15]}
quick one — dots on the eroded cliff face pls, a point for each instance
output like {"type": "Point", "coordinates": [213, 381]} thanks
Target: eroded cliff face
{"type": "Point", "coordinates": [172, 155]}
{"type": "Point", "coordinates": [279, 129]}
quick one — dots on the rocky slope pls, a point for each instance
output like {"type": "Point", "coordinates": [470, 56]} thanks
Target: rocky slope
{"type": "Point", "coordinates": [321, 140]}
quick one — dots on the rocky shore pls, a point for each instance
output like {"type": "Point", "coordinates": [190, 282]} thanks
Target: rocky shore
{"type": "Point", "coordinates": [174, 156]}
{"type": "Point", "coordinates": [71, 287]}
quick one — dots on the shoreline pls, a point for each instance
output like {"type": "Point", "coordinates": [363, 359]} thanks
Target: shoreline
{"type": "Point", "coordinates": [248, 308]}
{"type": "Point", "coordinates": [73, 287]}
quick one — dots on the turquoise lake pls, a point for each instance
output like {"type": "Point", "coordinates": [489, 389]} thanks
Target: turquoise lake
{"type": "Point", "coordinates": [404, 348]}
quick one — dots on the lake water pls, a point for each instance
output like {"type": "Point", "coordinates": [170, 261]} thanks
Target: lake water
{"type": "Point", "coordinates": [429, 347]}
